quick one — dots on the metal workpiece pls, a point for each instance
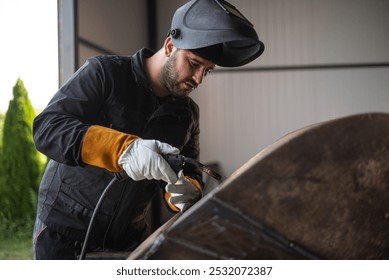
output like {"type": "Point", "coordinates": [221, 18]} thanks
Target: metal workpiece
{"type": "Point", "coordinates": [321, 192]}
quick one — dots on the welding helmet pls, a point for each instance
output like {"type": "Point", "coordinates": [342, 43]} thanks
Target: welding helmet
{"type": "Point", "coordinates": [217, 31]}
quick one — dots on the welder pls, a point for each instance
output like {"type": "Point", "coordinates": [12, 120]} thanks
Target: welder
{"type": "Point", "coordinates": [123, 113]}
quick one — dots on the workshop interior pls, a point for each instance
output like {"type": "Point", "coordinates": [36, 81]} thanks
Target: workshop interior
{"type": "Point", "coordinates": [294, 145]}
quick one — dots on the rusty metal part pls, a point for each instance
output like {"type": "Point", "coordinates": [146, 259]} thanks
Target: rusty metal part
{"type": "Point", "coordinates": [322, 191]}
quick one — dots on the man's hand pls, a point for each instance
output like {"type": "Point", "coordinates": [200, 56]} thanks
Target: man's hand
{"type": "Point", "coordinates": [183, 194]}
{"type": "Point", "coordinates": [143, 159]}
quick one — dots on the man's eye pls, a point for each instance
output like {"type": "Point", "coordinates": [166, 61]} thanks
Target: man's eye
{"type": "Point", "coordinates": [193, 63]}
{"type": "Point", "coordinates": [208, 71]}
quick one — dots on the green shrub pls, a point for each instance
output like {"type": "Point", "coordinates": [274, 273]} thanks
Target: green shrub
{"type": "Point", "coordinates": [21, 164]}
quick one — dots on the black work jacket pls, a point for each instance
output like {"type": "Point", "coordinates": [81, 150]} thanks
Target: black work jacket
{"type": "Point", "coordinates": [111, 91]}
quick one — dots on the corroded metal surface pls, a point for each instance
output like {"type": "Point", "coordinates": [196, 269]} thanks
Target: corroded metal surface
{"type": "Point", "coordinates": [319, 192]}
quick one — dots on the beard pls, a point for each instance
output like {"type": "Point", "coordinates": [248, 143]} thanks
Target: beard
{"type": "Point", "coordinates": [170, 76]}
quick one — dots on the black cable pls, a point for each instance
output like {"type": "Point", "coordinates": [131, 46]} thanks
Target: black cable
{"type": "Point", "coordinates": [101, 199]}
{"type": "Point", "coordinates": [114, 214]}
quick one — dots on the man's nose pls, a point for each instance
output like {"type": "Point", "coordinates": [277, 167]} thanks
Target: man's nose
{"type": "Point", "coordinates": [198, 77]}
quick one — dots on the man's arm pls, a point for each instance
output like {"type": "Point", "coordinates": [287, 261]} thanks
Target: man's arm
{"type": "Point", "coordinates": [60, 129]}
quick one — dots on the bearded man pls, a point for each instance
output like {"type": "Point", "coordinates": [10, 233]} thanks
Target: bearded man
{"type": "Point", "coordinates": [122, 114]}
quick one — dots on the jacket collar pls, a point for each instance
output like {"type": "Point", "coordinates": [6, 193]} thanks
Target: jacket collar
{"type": "Point", "coordinates": [138, 69]}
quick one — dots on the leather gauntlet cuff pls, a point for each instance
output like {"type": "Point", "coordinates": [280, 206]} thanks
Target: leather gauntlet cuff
{"type": "Point", "coordinates": [102, 147]}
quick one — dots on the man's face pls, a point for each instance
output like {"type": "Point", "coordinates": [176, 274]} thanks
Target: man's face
{"type": "Point", "coordinates": [184, 71]}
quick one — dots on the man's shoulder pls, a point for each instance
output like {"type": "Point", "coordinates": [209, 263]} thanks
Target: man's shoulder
{"type": "Point", "coordinates": [110, 63]}
{"type": "Point", "coordinates": [112, 59]}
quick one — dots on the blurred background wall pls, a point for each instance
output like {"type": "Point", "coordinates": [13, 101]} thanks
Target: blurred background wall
{"type": "Point", "coordinates": [322, 60]}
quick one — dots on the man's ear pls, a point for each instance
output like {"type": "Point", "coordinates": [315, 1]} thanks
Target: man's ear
{"type": "Point", "coordinates": [169, 46]}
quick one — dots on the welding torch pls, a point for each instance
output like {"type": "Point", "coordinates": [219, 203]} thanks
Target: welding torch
{"type": "Point", "coordinates": [177, 163]}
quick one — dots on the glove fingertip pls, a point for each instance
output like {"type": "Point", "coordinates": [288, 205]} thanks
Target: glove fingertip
{"type": "Point", "coordinates": [166, 148]}
{"type": "Point", "coordinates": [185, 207]}
{"type": "Point", "coordinates": [180, 174]}
{"type": "Point", "coordinates": [168, 187]}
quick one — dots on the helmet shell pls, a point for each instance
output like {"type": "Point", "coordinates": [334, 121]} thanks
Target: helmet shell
{"type": "Point", "coordinates": [200, 24]}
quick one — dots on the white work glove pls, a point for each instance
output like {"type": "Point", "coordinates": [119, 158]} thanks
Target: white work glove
{"type": "Point", "coordinates": [183, 194]}
{"type": "Point", "coordinates": [143, 159]}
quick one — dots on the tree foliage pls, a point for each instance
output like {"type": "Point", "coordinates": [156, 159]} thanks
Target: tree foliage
{"type": "Point", "coordinates": [1, 130]}
{"type": "Point", "coordinates": [21, 164]}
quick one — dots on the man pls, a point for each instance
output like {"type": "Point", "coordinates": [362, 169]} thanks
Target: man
{"type": "Point", "coordinates": [120, 114]}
